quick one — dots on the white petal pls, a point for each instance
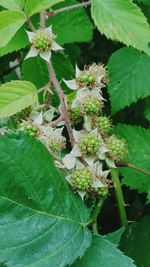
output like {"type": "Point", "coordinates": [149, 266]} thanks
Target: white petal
{"type": "Point", "coordinates": [56, 47]}
{"type": "Point", "coordinates": [81, 194]}
{"type": "Point", "coordinates": [79, 165]}
{"type": "Point", "coordinates": [49, 114]}
{"type": "Point", "coordinates": [72, 84]}
{"type": "Point", "coordinates": [95, 131]}
{"type": "Point", "coordinates": [82, 93]}
{"type": "Point", "coordinates": [69, 161]}
{"type": "Point", "coordinates": [105, 173]}
{"type": "Point", "coordinates": [75, 103]}
{"type": "Point", "coordinates": [38, 120]}
{"type": "Point", "coordinates": [87, 123]}
{"type": "Point", "coordinates": [110, 163]}
{"type": "Point", "coordinates": [89, 161]}
{"type": "Point", "coordinates": [46, 56]}
{"type": "Point", "coordinates": [48, 30]}
{"type": "Point", "coordinates": [75, 151]}
{"type": "Point", "coordinates": [30, 36]}
{"type": "Point", "coordinates": [58, 131]}
{"type": "Point", "coordinates": [32, 53]}
{"type": "Point", "coordinates": [68, 178]}
{"type": "Point", "coordinates": [61, 123]}
{"type": "Point", "coordinates": [78, 71]}
{"type": "Point", "coordinates": [96, 184]}
{"type": "Point", "coordinates": [77, 135]}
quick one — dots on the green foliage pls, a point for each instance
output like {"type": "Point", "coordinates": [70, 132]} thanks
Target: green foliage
{"type": "Point", "coordinates": [76, 25]}
{"type": "Point", "coordinates": [18, 41]}
{"type": "Point", "coordinates": [33, 7]}
{"type": "Point", "coordinates": [115, 236]}
{"type": "Point", "coordinates": [129, 77]}
{"type": "Point", "coordinates": [15, 96]}
{"type": "Point", "coordinates": [135, 242]}
{"type": "Point", "coordinates": [104, 253]}
{"type": "Point", "coordinates": [10, 23]}
{"type": "Point", "coordinates": [12, 4]}
{"type": "Point", "coordinates": [122, 21]}
{"type": "Point", "coordinates": [41, 219]}
{"type": "Point", "coordinates": [138, 140]}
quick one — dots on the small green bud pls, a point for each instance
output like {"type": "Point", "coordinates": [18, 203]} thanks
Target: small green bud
{"type": "Point", "coordinates": [42, 41]}
{"type": "Point", "coordinates": [81, 179]}
{"type": "Point", "coordinates": [103, 124]}
{"type": "Point", "coordinates": [75, 114]}
{"type": "Point", "coordinates": [117, 148]}
{"type": "Point", "coordinates": [56, 144]}
{"type": "Point", "coordinates": [100, 192]}
{"type": "Point", "coordinates": [92, 106]}
{"type": "Point", "coordinates": [29, 128]}
{"type": "Point", "coordinates": [89, 144]}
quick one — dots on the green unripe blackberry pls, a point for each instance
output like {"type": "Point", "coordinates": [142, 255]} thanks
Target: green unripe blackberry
{"type": "Point", "coordinates": [28, 128]}
{"type": "Point", "coordinates": [103, 124]}
{"type": "Point", "coordinates": [100, 192]}
{"type": "Point", "coordinates": [89, 144]}
{"type": "Point", "coordinates": [92, 106]}
{"type": "Point", "coordinates": [56, 144]}
{"type": "Point", "coordinates": [42, 41]}
{"type": "Point", "coordinates": [86, 79]}
{"type": "Point", "coordinates": [81, 179]}
{"type": "Point", "coordinates": [117, 148]}
{"type": "Point", "coordinates": [75, 114]}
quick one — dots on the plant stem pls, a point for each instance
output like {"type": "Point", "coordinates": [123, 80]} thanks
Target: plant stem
{"type": "Point", "coordinates": [126, 164]}
{"type": "Point", "coordinates": [54, 13]}
{"type": "Point", "coordinates": [62, 101]}
{"type": "Point", "coordinates": [29, 22]}
{"type": "Point", "coordinates": [119, 197]}
{"type": "Point", "coordinates": [42, 20]}
{"type": "Point", "coordinates": [93, 219]}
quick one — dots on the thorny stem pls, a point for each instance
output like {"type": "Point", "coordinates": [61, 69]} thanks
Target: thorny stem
{"type": "Point", "coordinates": [62, 101]}
{"type": "Point", "coordinates": [61, 118]}
{"type": "Point", "coordinates": [55, 12]}
{"type": "Point", "coordinates": [119, 197]}
{"type": "Point", "coordinates": [126, 164]}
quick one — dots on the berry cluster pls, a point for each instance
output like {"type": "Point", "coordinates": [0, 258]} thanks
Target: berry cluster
{"type": "Point", "coordinates": [56, 144]}
{"type": "Point", "coordinates": [117, 148]}
{"type": "Point", "coordinates": [81, 179]}
{"type": "Point", "coordinates": [92, 106]}
{"type": "Point", "coordinates": [29, 128]}
{"type": "Point", "coordinates": [89, 144]}
{"type": "Point", "coordinates": [42, 41]}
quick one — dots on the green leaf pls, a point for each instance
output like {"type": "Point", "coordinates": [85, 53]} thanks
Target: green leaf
{"type": "Point", "coordinates": [103, 253]}
{"type": "Point", "coordinates": [135, 242]}
{"type": "Point", "coordinates": [72, 26]}
{"type": "Point", "coordinates": [12, 4]}
{"type": "Point", "coordinates": [138, 140]}
{"type": "Point", "coordinates": [10, 23]}
{"type": "Point", "coordinates": [35, 70]}
{"type": "Point", "coordinates": [36, 6]}
{"type": "Point", "coordinates": [19, 41]}
{"type": "Point", "coordinates": [147, 109]}
{"type": "Point", "coordinates": [122, 21]}
{"type": "Point", "coordinates": [115, 237]}
{"type": "Point", "coordinates": [129, 78]}
{"type": "Point", "coordinates": [41, 219]}
{"type": "Point", "coordinates": [15, 96]}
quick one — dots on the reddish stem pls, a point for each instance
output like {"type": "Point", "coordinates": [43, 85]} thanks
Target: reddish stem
{"type": "Point", "coordinates": [62, 101]}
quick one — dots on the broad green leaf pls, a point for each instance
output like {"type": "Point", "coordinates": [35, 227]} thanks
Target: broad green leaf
{"type": "Point", "coordinates": [36, 6]}
{"type": "Point", "coordinates": [12, 4]}
{"type": "Point", "coordinates": [138, 140]}
{"type": "Point", "coordinates": [10, 23]}
{"type": "Point", "coordinates": [115, 237]}
{"type": "Point", "coordinates": [72, 26]}
{"type": "Point", "coordinates": [35, 70]}
{"type": "Point", "coordinates": [15, 96]}
{"type": "Point", "coordinates": [136, 242]}
{"type": "Point", "coordinates": [103, 253]}
{"type": "Point", "coordinates": [129, 78]}
{"type": "Point", "coordinates": [42, 221]}
{"type": "Point", "coordinates": [122, 21]}
{"type": "Point", "coordinates": [19, 41]}
{"type": "Point", "coordinates": [147, 109]}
